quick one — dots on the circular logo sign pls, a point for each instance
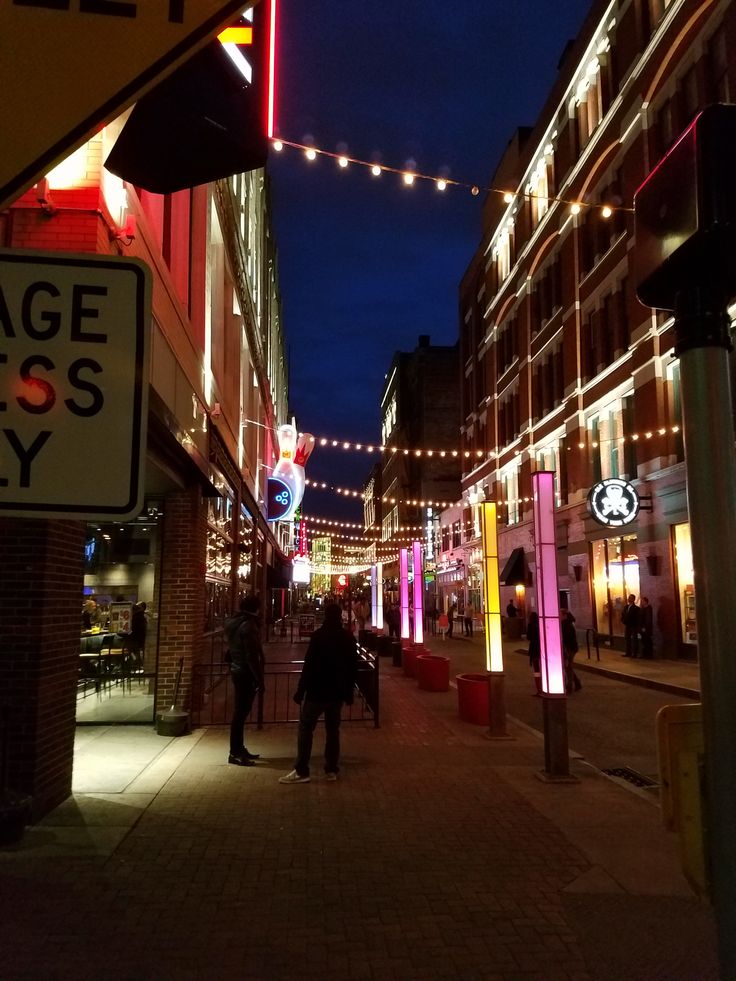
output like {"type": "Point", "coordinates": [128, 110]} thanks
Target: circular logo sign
{"type": "Point", "coordinates": [613, 502]}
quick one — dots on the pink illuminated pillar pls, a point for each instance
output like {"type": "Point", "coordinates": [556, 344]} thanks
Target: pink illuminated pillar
{"type": "Point", "coordinates": [404, 592]}
{"type": "Point", "coordinates": [418, 594]}
{"type": "Point", "coordinates": [491, 591]}
{"type": "Point", "coordinates": [548, 597]}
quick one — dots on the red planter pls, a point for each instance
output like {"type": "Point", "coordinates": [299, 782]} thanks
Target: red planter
{"type": "Point", "coordinates": [408, 660]}
{"type": "Point", "coordinates": [473, 697]}
{"type": "Point", "coordinates": [432, 672]}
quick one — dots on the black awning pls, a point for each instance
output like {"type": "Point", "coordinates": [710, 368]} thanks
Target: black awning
{"type": "Point", "coordinates": [514, 572]}
{"type": "Point", "coordinates": [200, 124]}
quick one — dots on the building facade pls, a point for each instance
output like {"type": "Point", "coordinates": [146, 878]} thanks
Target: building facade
{"type": "Point", "coordinates": [420, 406]}
{"type": "Point", "coordinates": [563, 369]}
{"type": "Point", "coordinates": [217, 392]}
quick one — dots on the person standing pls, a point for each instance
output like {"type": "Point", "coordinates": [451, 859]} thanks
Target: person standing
{"type": "Point", "coordinates": [451, 620]}
{"type": "Point", "coordinates": [468, 619]}
{"type": "Point", "coordinates": [511, 610]}
{"type": "Point", "coordinates": [646, 628]}
{"type": "Point", "coordinates": [327, 680]}
{"type": "Point", "coordinates": [245, 654]}
{"type": "Point", "coordinates": [570, 649]}
{"type": "Point", "coordinates": [631, 619]}
{"type": "Point", "coordinates": [535, 651]}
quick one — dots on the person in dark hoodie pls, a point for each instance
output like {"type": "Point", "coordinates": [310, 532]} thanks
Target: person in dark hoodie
{"type": "Point", "coordinates": [327, 681]}
{"type": "Point", "coordinates": [245, 654]}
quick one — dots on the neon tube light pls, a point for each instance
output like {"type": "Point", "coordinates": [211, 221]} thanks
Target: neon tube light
{"type": "Point", "coordinates": [271, 109]}
{"type": "Point", "coordinates": [378, 622]}
{"type": "Point", "coordinates": [418, 594]}
{"type": "Point", "coordinates": [548, 599]}
{"type": "Point", "coordinates": [404, 592]}
{"type": "Point", "coordinates": [491, 590]}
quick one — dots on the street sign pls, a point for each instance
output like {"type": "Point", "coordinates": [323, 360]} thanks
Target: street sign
{"type": "Point", "coordinates": [74, 335]}
{"type": "Point", "coordinates": [68, 66]}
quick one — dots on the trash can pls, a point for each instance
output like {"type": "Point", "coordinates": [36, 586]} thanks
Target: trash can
{"type": "Point", "coordinates": [433, 672]}
{"type": "Point", "coordinates": [396, 652]}
{"type": "Point", "coordinates": [473, 697]}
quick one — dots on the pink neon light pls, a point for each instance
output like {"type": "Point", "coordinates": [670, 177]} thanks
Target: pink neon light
{"type": "Point", "coordinates": [545, 549]}
{"type": "Point", "coordinates": [404, 592]}
{"type": "Point", "coordinates": [271, 72]}
{"type": "Point", "coordinates": [418, 594]}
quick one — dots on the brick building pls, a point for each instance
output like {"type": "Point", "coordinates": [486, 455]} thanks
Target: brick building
{"type": "Point", "coordinates": [563, 369]}
{"type": "Point", "coordinates": [218, 388]}
{"type": "Point", "coordinates": [420, 406]}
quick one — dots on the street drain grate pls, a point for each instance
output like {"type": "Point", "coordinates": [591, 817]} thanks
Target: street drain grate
{"type": "Point", "coordinates": [631, 776]}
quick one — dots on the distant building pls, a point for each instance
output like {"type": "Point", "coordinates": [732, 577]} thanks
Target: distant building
{"type": "Point", "coordinates": [562, 368]}
{"type": "Point", "coordinates": [420, 467]}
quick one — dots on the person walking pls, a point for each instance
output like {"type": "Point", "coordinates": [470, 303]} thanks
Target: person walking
{"type": "Point", "coordinates": [646, 629]}
{"type": "Point", "coordinates": [570, 649]}
{"type": "Point", "coordinates": [631, 619]}
{"type": "Point", "coordinates": [245, 654]}
{"type": "Point", "coordinates": [327, 680]}
{"type": "Point", "coordinates": [468, 619]}
{"type": "Point", "coordinates": [535, 651]}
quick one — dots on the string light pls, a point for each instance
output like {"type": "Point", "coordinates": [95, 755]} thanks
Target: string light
{"type": "Point", "coordinates": [409, 177]}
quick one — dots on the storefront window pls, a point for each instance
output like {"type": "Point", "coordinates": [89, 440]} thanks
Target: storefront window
{"type": "Point", "coordinates": [685, 582]}
{"type": "Point", "coordinates": [245, 551]}
{"type": "Point", "coordinates": [615, 565]}
{"type": "Point", "coordinates": [119, 620]}
{"type": "Point", "coordinates": [219, 570]}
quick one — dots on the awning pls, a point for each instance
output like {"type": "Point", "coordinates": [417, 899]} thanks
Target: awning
{"type": "Point", "coordinates": [202, 123]}
{"type": "Point", "coordinates": [514, 572]}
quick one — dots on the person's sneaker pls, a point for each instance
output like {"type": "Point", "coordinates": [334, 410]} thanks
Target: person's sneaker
{"type": "Point", "coordinates": [293, 777]}
{"type": "Point", "coordinates": [331, 777]}
{"type": "Point", "coordinates": [240, 760]}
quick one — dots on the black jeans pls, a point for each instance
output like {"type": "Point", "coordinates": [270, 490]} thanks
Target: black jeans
{"type": "Point", "coordinates": [468, 626]}
{"type": "Point", "coordinates": [308, 718]}
{"type": "Point", "coordinates": [245, 691]}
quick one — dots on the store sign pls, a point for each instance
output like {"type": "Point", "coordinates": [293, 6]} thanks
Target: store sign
{"type": "Point", "coordinates": [300, 571]}
{"type": "Point", "coordinates": [279, 499]}
{"type": "Point", "coordinates": [74, 333]}
{"type": "Point", "coordinates": [613, 502]}
{"type": "Point", "coordinates": [125, 46]}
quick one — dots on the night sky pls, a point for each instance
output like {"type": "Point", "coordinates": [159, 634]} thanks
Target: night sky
{"type": "Point", "coordinates": [366, 264]}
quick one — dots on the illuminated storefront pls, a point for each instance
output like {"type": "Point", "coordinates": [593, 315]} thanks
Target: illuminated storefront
{"type": "Point", "coordinates": [683, 561]}
{"type": "Point", "coordinates": [615, 565]}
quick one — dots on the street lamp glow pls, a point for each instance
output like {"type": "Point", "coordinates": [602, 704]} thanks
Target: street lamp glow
{"type": "Point", "coordinates": [376, 170]}
{"type": "Point", "coordinates": [310, 154]}
{"type": "Point", "coordinates": [343, 161]}
{"type": "Point", "coordinates": [408, 178]}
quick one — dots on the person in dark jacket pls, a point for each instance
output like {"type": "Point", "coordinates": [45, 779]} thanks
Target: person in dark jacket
{"type": "Point", "coordinates": [631, 619]}
{"type": "Point", "coordinates": [569, 649]}
{"type": "Point", "coordinates": [245, 654]}
{"type": "Point", "coordinates": [327, 680]}
{"type": "Point", "coordinates": [535, 651]}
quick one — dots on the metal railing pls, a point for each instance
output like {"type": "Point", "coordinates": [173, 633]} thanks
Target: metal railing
{"type": "Point", "coordinates": [212, 693]}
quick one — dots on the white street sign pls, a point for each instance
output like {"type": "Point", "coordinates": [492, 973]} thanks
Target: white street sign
{"type": "Point", "coordinates": [74, 333]}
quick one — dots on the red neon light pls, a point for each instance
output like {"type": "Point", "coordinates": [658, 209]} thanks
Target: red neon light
{"type": "Point", "coordinates": [271, 110]}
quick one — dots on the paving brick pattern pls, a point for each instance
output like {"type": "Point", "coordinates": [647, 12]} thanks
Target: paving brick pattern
{"type": "Point", "coordinates": [422, 863]}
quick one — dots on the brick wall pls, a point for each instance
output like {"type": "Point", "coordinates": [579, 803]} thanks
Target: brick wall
{"type": "Point", "coordinates": [181, 623]}
{"type": "Point", "coordinates": [41, 584]}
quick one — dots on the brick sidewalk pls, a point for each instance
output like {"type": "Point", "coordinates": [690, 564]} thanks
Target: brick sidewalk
{"type": "Point", "coordinates": [437, 856]}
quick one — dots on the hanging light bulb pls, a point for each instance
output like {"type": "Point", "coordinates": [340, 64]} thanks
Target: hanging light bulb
{"type": "Point", "coordinates": [376, 170]}
{"type": "Point", "coordinates": [508, 197]}
{"type": "Point", "coordinates": [278, 146]}
{"type": "Point", "coordinates": [606, 211]}
{"type": "Point", "coordinates": [575, 209]}
{"type": "Point", "coordinates": [342, 161]}
{"type": "Point", "coordinates": [310, 153]}
{"type": "Point", "coordinates": [408, 178]}
{"type": "Point", "coordinates": [441, 185]}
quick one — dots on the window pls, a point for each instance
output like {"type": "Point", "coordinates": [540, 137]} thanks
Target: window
{"type": "Point", "coordinates": [588, 103]}
{"type": "Point", "coordinates": [547, 294]}
{"type": "Point", "coordinates": [674, 400]}
{"type": "Point", "coordinates": [539, 187]}
{"type": "Point", "coordinates": [606, 441]}
{"type": "Point", "coordinates": [510, 493]}
{"type": "Point", "coordinates": [390, 524]}
{"type": "Point", "coordinates": [457, 538]}
{"type": "Point", "coordinates": [502, 253]}
{"type": "Point", "coordinates": [549, 458]}
{"type": "Point", "coordinates": [389, 420]}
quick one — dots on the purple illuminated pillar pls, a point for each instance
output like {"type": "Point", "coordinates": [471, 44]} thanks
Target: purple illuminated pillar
{"type": "Point", "coordinates": [548, 597]}
{"type": "Point", "coordinates": [404, 592]}
{"type": "Point", "coordinates": [418, 594]}
{"type": "Point", "coordinates": [378, 621]}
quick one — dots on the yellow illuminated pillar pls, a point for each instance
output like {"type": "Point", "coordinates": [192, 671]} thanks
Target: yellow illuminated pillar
{"type": "Point", "coordinates": [491, 591]}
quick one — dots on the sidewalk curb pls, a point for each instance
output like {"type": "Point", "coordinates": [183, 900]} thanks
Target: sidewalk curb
{"type": "Point", "coordinates": [632, 679]}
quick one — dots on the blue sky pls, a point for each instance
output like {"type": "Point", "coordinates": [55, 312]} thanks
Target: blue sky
{"type": "Point", "coordinates": [367, 265]}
